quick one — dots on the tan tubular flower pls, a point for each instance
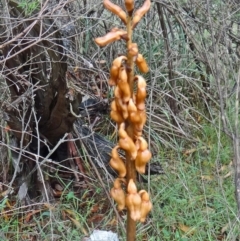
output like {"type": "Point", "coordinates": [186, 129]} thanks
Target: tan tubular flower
{"type": "Point", "coordinates": [117, 163]}
{"type": "Point", "coordinates": [131, 188]}
{"type": "Point", "coordinates": [143, 155]}
{"type": "Point", "coordinates": [122, 107]}
{"type": "Point", "coordinates": [138, 118]}
{"type": "Point", "coordinates": [126, 143]}
{"type": "Point", "coordinates": [140, 12]}
{"type": "Point", "coordinates": [116, 10]}
{"type": "Point", "coordinates": [114, 72]}
{"type": "Point", "coordinates": [123, 85]}
{"type": "Point", "coordinates": [142, 144]}
{"type": "Point", "coordinates": [133, 201]}
{"type": "Point", "coordinates": [131, 107]}
{"type": "Point", "coordinates": [113, 76]}
{"type": "Point", "coordinates": [146, 205]}
{"type": "Point", "coordinates": [118, 194]}
{"type": "Point", "coordinates": [117, 93]}
{"type": "Point", "coordinates": [119, 61]}
{"type": "Point", "coordinates": [142, 64]}
{"type": "Point", "coordinates": [129, 4]}
{"type": "Point", "coordinates": [115, 114]}
{"type": "Point", "coordinates": [141, 92]}
{"type": "Point", "coordinates": [110, 37]}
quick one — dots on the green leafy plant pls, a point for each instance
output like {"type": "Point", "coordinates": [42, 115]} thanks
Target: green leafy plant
{"type": "Point", "coordinates": [29, 6]}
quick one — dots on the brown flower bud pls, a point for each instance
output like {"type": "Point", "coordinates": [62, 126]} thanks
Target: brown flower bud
{"type": "Point", "coordinates": [118, 194]}
{"type": "Point", "coordinates": [117, 94]}
{"type": "Point", "coordinates": [113, 76]}
{"type": "Point", "coordinates": [140, 12]}
{"type": "Point", "coordinates": [131, 107]}
{"type": "Point", "coordinates": [126, 143]}
{"type": "Point", "coordinates": [141, 92]}
{"type": "Point", "coordinates": [122, 107]}
{"type": "Point", "coordinates": [143, 155]}
{"type": "Point", "coordinates": [115, 113]}
{"type": "Point", "coordinates": [131, 188]}
{"type": "Point", "coordinates": [130, 130]}
{"type": "Point", "coordinates": [116, 10]}
{"type": "Point", "coordinates": [129, 5]}
{"type": "Point", "coordinates": [138, 118]}
{"type": "Point", "coordinates": [142, 64]}
{"type": "Point", "coordinates": [143, 145]}
{"type": "Point", "coordinates": [117, 163]}
{"type": "Point", "coordinates": [116, 116]}
{"type": "Point", "coordinates": [146, 205]}
{"type": "Point", "coordinates": [123, 85]}
{"type": "Point", "coordinates": [114, 71]}
{"type": "Point", "coordinates": [133, 201]}
{"type": "Point", "coordinates": [114, 106]}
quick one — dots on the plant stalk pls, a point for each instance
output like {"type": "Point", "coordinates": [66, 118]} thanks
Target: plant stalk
{"type": "Point", "coordinates": [131, 170]}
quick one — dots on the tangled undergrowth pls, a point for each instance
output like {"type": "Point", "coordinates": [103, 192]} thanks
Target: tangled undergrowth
{"type": "Point", "coordinates": [191, 87]}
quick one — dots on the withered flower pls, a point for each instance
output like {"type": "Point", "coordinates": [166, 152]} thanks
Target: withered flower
{"type": "Point", "coordinates": [110, 37]}
{"type": "Point", "coordinates": [140, 12]}
{"type": "Point", "coordinates": [116, 10]}
{"type": "Point", "coordinates": [129, 4]}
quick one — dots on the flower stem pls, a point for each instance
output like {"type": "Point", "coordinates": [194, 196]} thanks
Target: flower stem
{"type": "Point", "coordinates": [131, 170]}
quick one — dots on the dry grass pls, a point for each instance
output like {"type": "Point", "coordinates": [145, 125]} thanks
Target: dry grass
{"type": "Point", "coordinates": [194, 199]}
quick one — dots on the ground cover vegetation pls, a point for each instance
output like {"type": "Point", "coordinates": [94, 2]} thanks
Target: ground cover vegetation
{"type": "Point", "coordinates": [54, 80]}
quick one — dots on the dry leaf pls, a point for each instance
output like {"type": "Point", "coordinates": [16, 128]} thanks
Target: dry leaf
{"type": "Point", "coordinates": [190, 151]}
{"type": "Point", "coordinates": [186, 229]}
{"type": "Point", "coordinates": [101, 61]}
{"type": "Point", "coordinates": [224, 228]}
{"type": "Point", "coordinates": [78, 225]}
{"type": "Point", "coordinates": [96, 218]}
{"type": "Point", "coordinates": [95, 208]}
{"type": "Point", "coordinates": [223, 168]}
{"type": "Point", "coordinates": [70, 212]}
{"type": "Point", "coordinates": [208, 210]}
{"type": "Point", "coordinates": [58, 187]}
{"type": "Point", "coordinates": [207, 178]}
{"type": "Point", "coordinates": [113, 222]}
{"type": "Point", "coordinates": [49, 206]}
{"type": "Point", "coordinates": [28, 217]}
{"type": "Point", "coordinates": [229, 174]}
